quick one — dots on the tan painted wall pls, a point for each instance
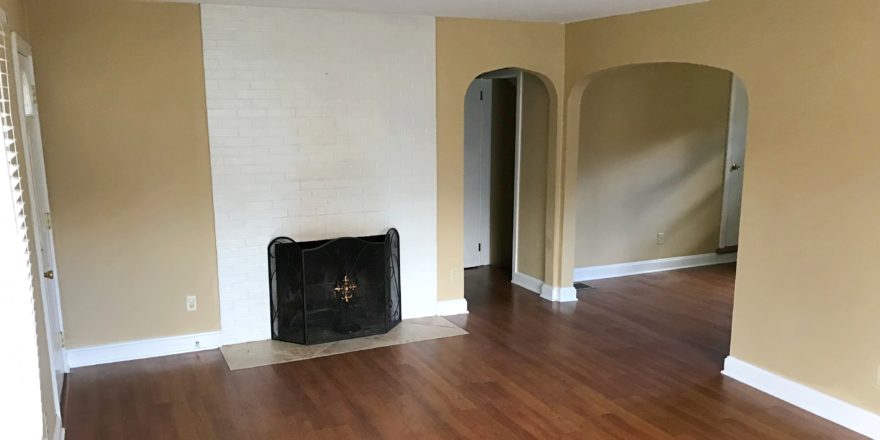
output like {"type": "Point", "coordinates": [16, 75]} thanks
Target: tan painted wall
{"type": "Point", "coordinates": [122, 100]}
{"type": "Point", "coordinates": [651, 157]}
{"type": "Point", "coordinates": [806, 304]}
{"type": "Point", "coordinates": [465, 49]}
{"type": "Point", "coordinates": [534, 150]}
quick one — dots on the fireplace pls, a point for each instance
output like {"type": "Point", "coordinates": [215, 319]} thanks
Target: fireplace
{"type": "Point", "coordinates": [329, 290]}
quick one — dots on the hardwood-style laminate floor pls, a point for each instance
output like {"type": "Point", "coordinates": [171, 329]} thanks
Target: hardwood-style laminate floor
{"type": "Point", "coordinates": [637, 357]}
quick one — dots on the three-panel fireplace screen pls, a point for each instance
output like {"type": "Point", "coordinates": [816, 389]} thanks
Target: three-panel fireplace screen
{"type": "Point", "coordinates": [329, 290]}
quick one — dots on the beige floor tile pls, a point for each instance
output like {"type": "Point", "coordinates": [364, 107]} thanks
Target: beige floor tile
{"type": "Point", "coordinates": [256, 354]}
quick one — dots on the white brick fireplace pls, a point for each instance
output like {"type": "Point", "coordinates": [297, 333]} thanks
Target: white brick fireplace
{"type": "Point", "coordinates": [321, 124]}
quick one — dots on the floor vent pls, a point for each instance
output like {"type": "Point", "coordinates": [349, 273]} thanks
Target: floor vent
{"type": "Point", "coordinates": [581, 286]}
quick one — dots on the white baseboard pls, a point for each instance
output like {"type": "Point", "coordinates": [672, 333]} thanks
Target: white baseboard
{"type": "Point", "coordinates": [558, 294]}
{"type": "Point", "coordinates": [844, 414]}
{"type": "Point", "coordinates": [452, 307]}
{"type": "Point", "coordinates": [649, 266]}
{"type": "Point", "coordinates": [230, 338]}
{"type": "Point", "coordinates": [527, 282]}
{"type": "Point", "coordinates": [146, 348]}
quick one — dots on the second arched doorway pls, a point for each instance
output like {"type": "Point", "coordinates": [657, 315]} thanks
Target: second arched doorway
{"type": "Point", "coordinates": [660, 163]}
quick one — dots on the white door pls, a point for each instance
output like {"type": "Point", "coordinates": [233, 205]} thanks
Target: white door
{"type": "Point", "coordinates": [734, 165]}
{"type": "Point", "coordinates": [39, 209]}
{"type": "Point", "coordinates": [476, 178]}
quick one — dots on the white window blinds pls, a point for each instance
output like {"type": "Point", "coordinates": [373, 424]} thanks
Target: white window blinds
{"type": "Point", "coordinates": [20, 406]}
{"type": "Point", "coordinates": [9, 138]}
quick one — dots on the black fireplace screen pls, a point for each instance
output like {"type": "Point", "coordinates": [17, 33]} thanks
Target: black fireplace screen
{"type": "Point", "coordinates": [329, 290]}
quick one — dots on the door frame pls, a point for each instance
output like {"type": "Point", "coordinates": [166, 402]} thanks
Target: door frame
{"type": "Point", "coordinates": [517, 164]}
{"type": "Point", "coordinates": [21, 47]}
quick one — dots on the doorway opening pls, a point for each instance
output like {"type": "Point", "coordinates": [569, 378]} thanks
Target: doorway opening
{"type": "Point", "coordinates": [661, 157]}
{"type": "Point", "coordinates": [507, 130]}
{"type": "Point", "coordinates": [490, 131]}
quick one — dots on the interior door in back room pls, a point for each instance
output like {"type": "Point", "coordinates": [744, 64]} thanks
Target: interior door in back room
{"type": "Point", "coordinates": [476, 179]}
{"type": "Point", "coordinates": [734, 165]}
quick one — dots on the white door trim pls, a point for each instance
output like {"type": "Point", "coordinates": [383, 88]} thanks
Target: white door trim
{"type": "Point", "coordinates": [19, 46]}
{"type": "Point", "coordinates": [517, 164]}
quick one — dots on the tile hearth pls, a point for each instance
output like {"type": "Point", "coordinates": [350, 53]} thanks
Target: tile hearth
{"type": "Point", "coordinates": [260, 353]}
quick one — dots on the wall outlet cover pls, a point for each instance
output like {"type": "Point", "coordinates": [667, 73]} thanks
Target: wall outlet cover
{"type": "Point", "coordinates": [191, 303]}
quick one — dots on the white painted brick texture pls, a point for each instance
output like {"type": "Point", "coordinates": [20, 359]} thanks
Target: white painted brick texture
{"type": "Point", "coordinates": [322, 124]}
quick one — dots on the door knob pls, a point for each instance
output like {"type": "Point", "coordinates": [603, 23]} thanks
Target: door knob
{"type": "Point", "coordinates": [735, 167]}
{"type": "Point", "coordinates": [49, 274]}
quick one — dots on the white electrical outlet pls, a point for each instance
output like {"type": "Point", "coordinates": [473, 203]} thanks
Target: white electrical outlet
{"type": "Point", "coordinates": [191, 303]}
{"type": "Point", "coordinates": [661, 238]}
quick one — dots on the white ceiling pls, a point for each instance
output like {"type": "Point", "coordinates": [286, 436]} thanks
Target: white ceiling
{"type": "Point", "coordinates": [560, 11]}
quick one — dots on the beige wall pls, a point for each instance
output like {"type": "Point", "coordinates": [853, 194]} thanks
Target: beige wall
{"type": "Point", "coordinates": [806, 303]}
{"type": "Point", "coordinates": [122, 100]}
{"type": "Point", "coordinates": [465, 49]}
{"type": "Point", "coordinates": [653, 140]}
{"type": "Point", "coordinates": [534, 150]}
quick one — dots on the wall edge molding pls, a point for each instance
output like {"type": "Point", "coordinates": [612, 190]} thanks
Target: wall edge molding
{"type": "Point", "coordinates": [830, 408]}
{"type": "Point", "coordinates": [142, 349]}
{"type": "Point", "coordinates": [451, 307]}
{"type": "Point", "coordinates": [590, 273]}
{"type": "Point", "coordinates": [527, 282]}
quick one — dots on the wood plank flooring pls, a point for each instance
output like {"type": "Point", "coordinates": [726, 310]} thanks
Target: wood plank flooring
{"type": "Point", "coordinates": [637, 357]}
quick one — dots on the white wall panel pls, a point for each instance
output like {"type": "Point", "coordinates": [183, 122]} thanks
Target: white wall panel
{"type": "Point", "coordinates": [322, 124]}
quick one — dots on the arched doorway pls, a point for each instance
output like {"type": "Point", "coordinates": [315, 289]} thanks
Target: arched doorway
{"type": "Point", "coordinates": [507, 133]}
{"type": "Point", "coordinates": [660, 163]}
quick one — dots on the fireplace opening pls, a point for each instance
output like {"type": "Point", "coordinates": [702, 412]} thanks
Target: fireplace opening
{"type": "Point", "coordinates": [330, 290]}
